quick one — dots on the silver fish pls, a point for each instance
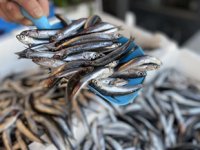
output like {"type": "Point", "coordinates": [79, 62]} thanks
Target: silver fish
{"type": "Point", "coordinates": [101, 27]}
{"type": "Point", "coordinates": [91, 21]}
{"type": "Point", "coordinates": [113, 81]}
{"type": "Point", "coordinates": [87, 145]}
{"type": "Point", "coordinates": [80, 114]}
{"type": "Point", "coordinates": [81, 48]}
{"type": "Point", "coordinates": [65, 127]}
{"type": "Point", "coordinates": [115, 90]}
{"type": "Point", "coordinates": [29, 53]}
{"type": "Point", "coordinates": [25, 131]}
{"type": "Point", "coordinates": [147, 62]}
{"type": "Point", "coordinates": [48, 62]}
{"type": "Point", "coordinates": [115, 145]}
{"type": "Point", "coordinates": [48, 109]}
{"type": "Point", "coordinates": [84, 56]}
{"type": "Point", "coordinates": [129, 74]}
{"type": "Point", "coordinates": [88, 38]}
{"type": "Point", "coordinates": [114, 55]}
{"type": "Point", "coordinates": [21, 141]}
{"type": "Point", "coordinates": [69, 30]}
{"type": "Point", "coordinates": [54, 133]}
{"type": "Point", "coordinates": [40, 33]}
{"type": "Point", "coordinates": [6, 138]}
{"type": "Point", "coordinates": [8, 122]}
{"type": "Point", "coordinates": [30, 41]}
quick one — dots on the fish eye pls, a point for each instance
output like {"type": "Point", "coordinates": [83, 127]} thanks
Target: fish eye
{"type": "Point", "coordinates": [22, 37]}
{"type": "Point", "coordinates": [140, 73]}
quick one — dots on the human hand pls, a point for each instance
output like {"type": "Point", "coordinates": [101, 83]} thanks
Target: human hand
{"type": "Point", "coordinates": [10, 11]}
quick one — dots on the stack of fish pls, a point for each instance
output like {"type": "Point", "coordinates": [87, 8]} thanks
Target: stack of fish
{"type": "Point", "coordinates": [165, 117]}
{"type": "Point", "coordinates": [86, 51]}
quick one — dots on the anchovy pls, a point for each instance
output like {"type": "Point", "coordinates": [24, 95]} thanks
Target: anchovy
{"type": "Point", "coordinates": [81, 114]}
{"type": "Point", "coordinates": [179, 117]}
{"type": "Point", "coordinates": [114, 55]}
{"type": "Point", "coordinates": [66, 73]}
{"type": "Point", "coordinates": [9, 111]}
{"type": "Point", "coordinates": [48, 109]}
{"type": "Point", "coordinates": [69, 30]}
{"type": "Point", "coordinates": [52, 131]}
{"type": "Point", "coordinates": [29, 53]}
{"type": "Point", "coordinates": [84, 56]}
{"type": "Point", "coordinates": [64, 126]}
{"type": "Point", "coordinates": [31, 123]}
{"type": "Point", "coordinates": [30, 41]}
{"type": "Point", "coordinates": [22, 144]}
{"type": "Point", "coordinates": [95, 134]}
{"type": "Point", "coordinates": [115, 90]}
{"type": "Point", "coordinates": [180, 99]}
{"type": "Point", "coordinates": [119, 82]}
{"type": "Point", "coordinates": [6, 138]}
{"type": "Point", "coordinates": [91, 21]}
{"type": "Point", "coordinates": [115, 145]}
{"type": "Point", "coordinates": [73, 82]}
{"type": "Point", "coordinates": [81, 48]}
{"type": "Point", "coordinates": [8, 122]}
{"type": "Point", "coordinates": [95, 37]}
{"type": "Point", "coordinates": [129, 74]}
{"type": "Point", "coordinates": [101, 27]}
{"type": "Point", "coordinates": [28, 133]}
{"type": "Point", "coordinates": [141, 61]}
{"type": "Point", "coordinates": [101, 73]}
{"type": "Point", "coordinates": [40, 33]}
{"type": "Point", "coordinates": [121, 126]}
{"type": "Point", "coordinates": [87, 145]}
{"type": "Point", "coordinates": [48, 62]}
{"type": "Point", "coordinates": [114, 81]}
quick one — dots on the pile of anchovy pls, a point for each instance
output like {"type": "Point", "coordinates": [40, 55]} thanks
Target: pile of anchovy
{"type": "Point", "coordinates": [165, 117]}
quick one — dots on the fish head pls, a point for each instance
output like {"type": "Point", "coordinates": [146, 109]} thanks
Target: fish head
{"type": "Point", "coordinates": [24, 39]}
{"type": "Point", "coordinates": [153, 67]}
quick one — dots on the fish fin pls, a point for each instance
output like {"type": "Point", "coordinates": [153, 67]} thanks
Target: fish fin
{"type": "Point", "coordinates": [21, 55]}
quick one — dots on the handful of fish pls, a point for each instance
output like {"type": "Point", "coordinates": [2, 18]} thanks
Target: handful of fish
{"type": "Point", "coordinates": [85, 51]}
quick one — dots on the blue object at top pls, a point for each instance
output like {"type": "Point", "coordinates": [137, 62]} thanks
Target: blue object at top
{"type": "Point", "coordinates": [42, 22]}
